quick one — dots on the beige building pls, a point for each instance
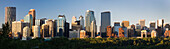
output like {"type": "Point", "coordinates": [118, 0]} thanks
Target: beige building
{"type": "Point", "coordinates": [45, 30]}
{"type": "Point", "coordinates": [51, 27]}
{"type": "Point", "coordinates": [26, 33]}
{"type": "Point", "coordinates": [142, 22]}
{"type": "Point", "coordinates": [17, 27]}
{"type": "Point", "coordinates": [153, 33]}
{"type": "Point", "coordinates": [93, 29]}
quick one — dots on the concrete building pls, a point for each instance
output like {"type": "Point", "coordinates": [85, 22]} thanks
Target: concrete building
{"type": "Point", "coordinates": [26, 33]}
{"type": "Point", "coordinates": [74, 34]}
{"type": "Point", "coordinates": [51, 27]}
{"type": "Point", "coordinates": [167, 33]}
{"type": "Point", "coordinates": [105, 21]}
{"type": "Point", "coordinates": [138, 30]}
{"type": "Point", "coordinates": [67, 27]}
{"type": "Point", "coordinates": [89, 17]}
{"type": "Point", "coordinates": [17, 27]}
{"type": "Point", "coordinates": [131, 31]}
{"type": "Point", "coordinates": [143, 33]}
{"type": "Point", "coordinates": [83, 34]}
{"type": "Point", "coordinates": [153, 33]}
{"type": "Point", "coordinates": [28, 19]}
{"type": "Point", "coordinates": [82, 21]}
{"type": "Point", "coordinates": [121, 32]}
{"type": "Point", "coordinates": [32, 12]}
{"type": "Point", "coordinates": [76, 24]}
{"type": "Point", "coordinates": [45, 30]}
{"type": "Point", "coordinates": [116, 28]}
{"type": "Point", "coordinates": [61, 25]}
{"type": "Point", "coordinates": [109, 31]}
{"type": "Point", "coordinates": [10, 15]}
{"type": "Point", "coordinates": [125, 23]}
{"type": "Point", "coordinates": [152, 25]}
{"type": "Point", "coordinates": [160, 30]}
{"type": "Point", "coordinates": [36, 31]}
{"type": "Point", "coordinates": [142, 23]}
{"type": "Point", "coordinates": [93, 29]}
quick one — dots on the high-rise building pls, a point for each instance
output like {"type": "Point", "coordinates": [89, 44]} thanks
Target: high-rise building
{"type": "Point", "coordinates": [61, 25]}
{"type": "Point", "coordinates": [36, 31]}
{"type": "Point", "coordinates": [105, 21]}
{"type": "Point", "coordinates": [28, 19]}
{"type": "Point", "coordinates": [109, 31]}
{"type": "Point", "coordinates": [89, 17]}
{"type": "Point", "coordinates": [76, 24]}
{"type": "Point", "coordinates": [138, 30]}
{"type": "Point", "coordinates": [51, 27]}
{"type": "Point", "coordinates": [131, 31]}
{"type": "Point", "coordinates": [160, 30]}
{"type": "Point", "coordinates": [116, 28]}
{"type": "Point", "coordinates": [125, 23]}
{"type": "Point", "coordinates": [81, 21]}
{"type": "Point", "coordinates": [40, 22]}
{"type": "Point", "coordinates": [66, 29]}
{"type": "Point", "coordinates": [32, 12]}
{"type": "Point", "coordinates": [17, 27]}
{"type": "Point", "coordinates": [142, 23]}
{"type": "Point", "coordinates": [93, 29]}
{"type": "Point", "coordinates": [26, 33]}
{"type": "Point", "coordinates": [10, 15]}
{"type": "Point", "coordinates": [45, 30]}
{"type": "Point", "coordinates": [152, 25]}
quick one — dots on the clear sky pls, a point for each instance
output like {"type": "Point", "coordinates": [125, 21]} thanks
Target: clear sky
{"type": "Point", "coordinates": [131, 10]}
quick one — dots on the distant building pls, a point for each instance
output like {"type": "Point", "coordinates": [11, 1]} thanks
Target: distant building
{"type": "Point", "coordinates": [142, 23]}
{"type": "Point", "coordinates": [74, 34]}
{"type": "Point", "coordinates": [22, 20]}
{"type": "Point", "coordinates": [32, 12]}
{"type": "Point", "coordinates": [10, 15]}
{"type": "Point", "coordinates": [160, 30]}
{"type": "Point", "coordinates": [109, 31]}
{"type": "Point", "coordinates": [153, 33]}
{"type": "Point", "coordinates": [26, 33]}
{"type": "Point", "coordinates": [61, 25]}
{"type": "Point", "coordinates": [76, 24]}
{"type": "Point", "coordinates": [143, 33]}
{"type": "Point", "coordinates": [116, 28]}
{"type": "Point", "coordinates": [45, 30]}
{"type": "Point", "coordinates": [17, 28]}
{"type": "Point", "coordinates": [125, 23]}
{"type": "Point", "coordinates": [89, 17]}
{"type": "Point", "coordinates": [93, 29]}
{"type": "Point", "coordinates": [36, 31]}
{"type": "Point", "coordinates": [83, 34]}
{"type": "Point", "coordinates": [82, 22]}
{"type": "Point", "coordinates": [105, 21]}
{"type": "Point", "coordinates": [138, 30]}
{"type": "Point", "coordinates": [152, 25]}
{"type": "Point", "coordinates": [67, 27]}
{"type": "Point", "coordinates": [28, 19]}
{"type": "Point", "coordinates": [51, 27]}
{"type": "Point", "coordinates": [131, 31]}
{"type": "Point", "coordinates": [121, 32]}
{"type": "Point", "coordinates": [167, 33]}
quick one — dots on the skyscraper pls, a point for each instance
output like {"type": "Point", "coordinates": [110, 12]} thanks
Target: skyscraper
{"type": "Point", "coordinates": [45, 28]}
{"type": "Point", "coordinates": [105, 21]}
{"type": "Point", "coordinates": [160, 23]}
{"type": "Point", "coordinates": [93, 29]}
{"type": "Point", "coordinates": [10, 15]}
{"type": "Point", "coordinates": [81, 21]}
{"type": "Point", "coordinates": [60, 25]}
{"type": "Point", "coordinates": [51, 27]}
{"type": "Point", "coordinates": [32, 12]}
{"type": "Point", "coordinates": [89, 17]}
{"type": "Point", "coordinates": [125, 23]}
{"type": "Point", "coordinates": [142, 23]}
{"type": "Point", "coordinates": [116, 28]}
{"type": "Point", "coordinates": [28, 19]}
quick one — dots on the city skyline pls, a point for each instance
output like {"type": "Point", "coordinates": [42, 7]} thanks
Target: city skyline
{"type": "Point", "coordinates": [131, 11]}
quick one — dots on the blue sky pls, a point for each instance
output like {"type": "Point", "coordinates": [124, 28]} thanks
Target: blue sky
{"type": "Point", "coordinates": [131, 10]}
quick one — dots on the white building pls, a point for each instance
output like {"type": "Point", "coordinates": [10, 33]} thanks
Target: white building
{"type": "Point", "coordinates": [26, 33]}
{"type": "Point", "coordinates": [93, 29]}
{"type": "Point", "coordinates": [143, 33]}
{"type": "Point", "coordinates": [36, 31]}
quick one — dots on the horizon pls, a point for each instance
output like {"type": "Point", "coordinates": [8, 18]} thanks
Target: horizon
{"type": "Point", "coordinates": [131, 10]}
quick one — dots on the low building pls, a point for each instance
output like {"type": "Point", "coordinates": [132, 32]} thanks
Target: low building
{"type": "Point", "coordinates": [153, 33]}
{"type": "Point", "coordinates": [143, 33]}
{"type": "Point", "coordinates": [26, 33]}
{"type": "Point", "coordinates": [167, 33]}
{"type": "Point", "coordinates": [83, 34]}
{"type": "Point", "coordinates": [74, 34]}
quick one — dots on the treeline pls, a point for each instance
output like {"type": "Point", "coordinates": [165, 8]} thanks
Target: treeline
{"type": "Point", "coordinates": [88, 43]}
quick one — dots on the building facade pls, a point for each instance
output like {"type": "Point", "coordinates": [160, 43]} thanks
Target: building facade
{"type": "Point", "coordinates": [89, 17]}
{"type": "Point", "coordinates": [105, 21]}
{"type": "Point", "coordinates": [125, 23]}
{"type": "Point", "coordinates": [32, 12]}
{"type": "Point", "coordinates": [10, 15]}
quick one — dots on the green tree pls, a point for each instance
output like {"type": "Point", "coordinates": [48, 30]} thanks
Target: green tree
{"type": "Point", "coordinates": [5, 30]}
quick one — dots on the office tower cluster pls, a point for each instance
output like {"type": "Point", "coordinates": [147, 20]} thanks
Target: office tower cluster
{"type": "Point", "coordinates": [81, 27]}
